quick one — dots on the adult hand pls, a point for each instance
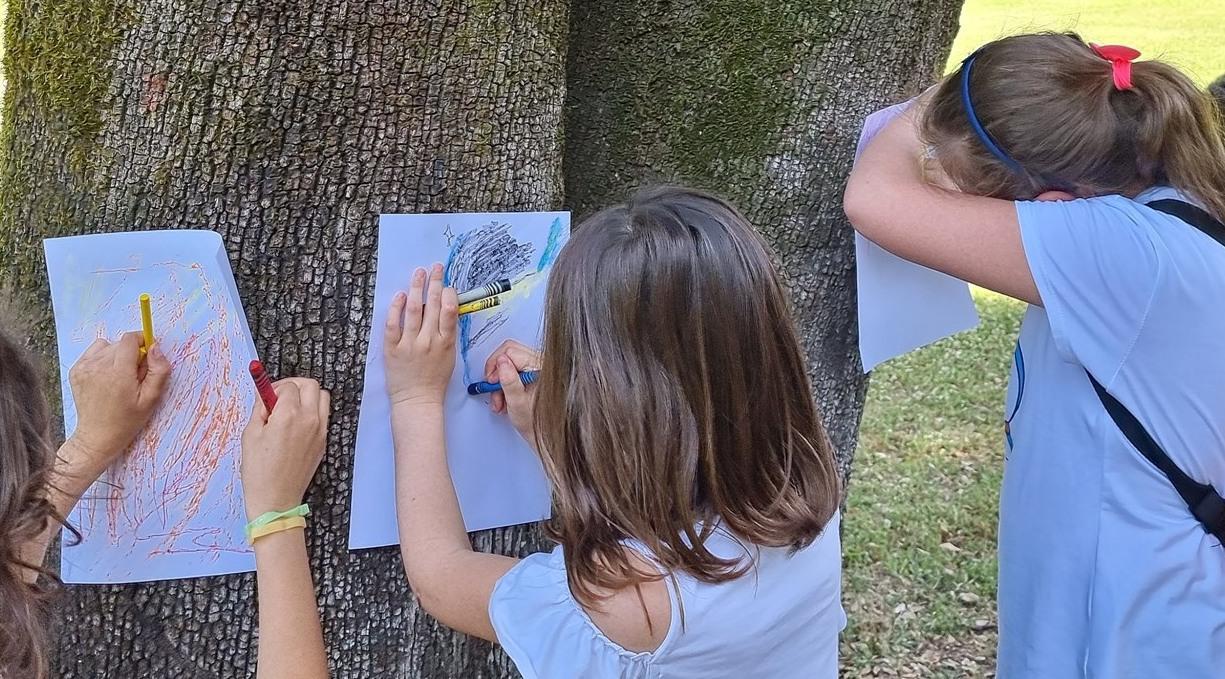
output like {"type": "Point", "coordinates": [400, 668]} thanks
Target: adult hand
{"type": "Point", "coordinates": [115, 393]}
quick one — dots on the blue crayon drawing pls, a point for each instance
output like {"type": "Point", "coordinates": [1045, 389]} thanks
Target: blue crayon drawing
{"type": "Point", "coordinates": [552, 246]}
{"type": "Point", "coordinates": [485, 255]}
{"type": "Point", "coordinates": [498, 478]}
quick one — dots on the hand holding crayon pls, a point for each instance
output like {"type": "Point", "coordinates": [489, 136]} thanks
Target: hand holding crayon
{"type": "Point", "coordinates": [509, 395]}
{"type": "Point", "coordinates": [115, 395]}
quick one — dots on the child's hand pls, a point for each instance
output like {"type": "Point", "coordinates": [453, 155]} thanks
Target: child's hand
{"type": "Point", "coordinates": [115, 393]}
{"type": "Point", "coordinates": [281, 451]}
{"type": "Point", "coordinates": [518, 401]}
{"type": "Point", "coordinates": [419, 342]}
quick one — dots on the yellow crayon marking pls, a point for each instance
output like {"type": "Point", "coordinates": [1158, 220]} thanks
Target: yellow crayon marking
{"type": "Point", "coordinates": [480, 305]}
{"type": "Point", "coordinates": [146, 322]}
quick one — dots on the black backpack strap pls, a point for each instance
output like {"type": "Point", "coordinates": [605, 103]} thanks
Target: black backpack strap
{"type": "Point", "coordinates": [1202, 499]}
{"type": "Point", "coordinates": [1192, 215]}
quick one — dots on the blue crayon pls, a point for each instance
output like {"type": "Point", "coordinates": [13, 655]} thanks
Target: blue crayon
{"type": "Point", "coordinates": [478, 388]}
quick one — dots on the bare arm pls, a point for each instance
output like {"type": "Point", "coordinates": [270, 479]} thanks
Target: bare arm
{"type": "Point", "coordinates": [290, 635]}
{"type": "Point", "coordinates": [64, 489]}
{"type": "Point", "coordinates": [974, 238]}
{"type": "Point", "coordinates": [115, 392]}
{"type": "Point", "coordinates": [280, 453]}
{"type": "Point", "coordinates": [452, 582]}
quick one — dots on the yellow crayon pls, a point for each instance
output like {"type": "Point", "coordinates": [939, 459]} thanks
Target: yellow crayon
{"type": "Point", "coordinates": [479, 305]}
{"type": "Point", "coordinates": [146, 321]}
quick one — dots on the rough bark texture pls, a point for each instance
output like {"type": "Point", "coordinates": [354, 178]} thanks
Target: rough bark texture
{"type": "Point", "coordinates": [761, 101]}
{"type": "Point", "coordinates": [287, 126]}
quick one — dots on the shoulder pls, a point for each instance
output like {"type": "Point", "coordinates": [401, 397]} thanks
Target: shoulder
{"type": "Point", "coordinates": [635, 618]}
{"type": "Point", "coordinates": [1120, 234]}
{"type": "Point", "coordinates": [534, 615]}
{"type": "Point", "coordinates": [1116, 212]}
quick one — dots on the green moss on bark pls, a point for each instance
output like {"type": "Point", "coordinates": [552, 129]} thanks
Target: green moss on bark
{"type": "Point", "coordinates": [735, 100]}
{"type": "Point", "coordinates": [57, 60]}
{"type": "Point", "coordinates": [697, 90]}
{"type": "Point", "coordinates": [57, 68]}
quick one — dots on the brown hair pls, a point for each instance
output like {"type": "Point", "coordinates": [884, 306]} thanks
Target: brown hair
{"type": "Point", "coordinates": [673, 396]}
{"type": "Point", "coordinates": [1050, 103]}
{"type": "Point", "coordinates": [1217, 90]}
{"type": "Point", "coordinates": [26, 456]}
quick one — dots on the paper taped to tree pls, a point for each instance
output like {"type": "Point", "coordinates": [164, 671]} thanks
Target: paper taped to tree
{"type": "Point", "coordinates": [171, 507]}
{"type": "Point", "coordinates": [497, 476]}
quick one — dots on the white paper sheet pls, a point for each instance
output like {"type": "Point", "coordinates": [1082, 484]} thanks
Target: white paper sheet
{"type": "Point", "coordinates": [497, 477]}
{"type": "Point", "coordinates": [902, 305]}
{"type": "Point", "coordinates": [172, 507]}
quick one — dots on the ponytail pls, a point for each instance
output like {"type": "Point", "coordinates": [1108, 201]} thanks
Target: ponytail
{"type": "Point", "coordinates": [1180, 128]}
{"type": "Point", "coordinates": [1055, 107]}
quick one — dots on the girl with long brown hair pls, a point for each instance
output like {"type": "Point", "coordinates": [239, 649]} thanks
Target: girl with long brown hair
{"type": "Point", "coordinates": [695, 492]}
{"type": "Point", "coordinates": [1091, 185]}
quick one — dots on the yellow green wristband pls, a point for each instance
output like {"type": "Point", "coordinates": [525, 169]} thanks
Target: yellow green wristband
{"type": "Point", "coordinates": [276, 527]}
{"type": "Point", "coordinates": [268, 517]}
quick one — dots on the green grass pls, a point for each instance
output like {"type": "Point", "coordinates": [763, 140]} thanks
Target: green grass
{"type": "Point", "coordinates": [921, 515]}
{"type": "Point", "coordinates": [1188, 33]}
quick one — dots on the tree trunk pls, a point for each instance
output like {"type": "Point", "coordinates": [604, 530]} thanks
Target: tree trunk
{"type": "Point", "coordinates": [287, 126]}
{"type": "Point", "coordinates": [761, 101]}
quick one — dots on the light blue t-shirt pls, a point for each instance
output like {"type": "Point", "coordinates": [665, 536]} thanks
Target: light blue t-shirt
{"type": "Point", "coordinates": [781, 620]}
{"type": "Point", "coordinates": [1104, 573]}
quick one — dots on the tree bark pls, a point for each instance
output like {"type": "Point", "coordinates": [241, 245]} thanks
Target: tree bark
{"type": "Point", "coordinates": [287, 126]}
{"type": "Point", "coordinates": [760, 101]}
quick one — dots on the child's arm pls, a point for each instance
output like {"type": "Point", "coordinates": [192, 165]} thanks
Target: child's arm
{"type": "Point", "coordinates": [974, 238]}
{"type": "Point", "coordinates": [115, 394]}
{"type": "Point", "coordinates": [280, 453]}
{"type": "Point", "coordinates": [452, 582]}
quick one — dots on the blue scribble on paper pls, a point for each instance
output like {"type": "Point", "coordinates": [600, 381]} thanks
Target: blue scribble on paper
{"type": "Point", "coordinates": [485, 255]}
{"type": "Point", "coordinates": [552, 246]}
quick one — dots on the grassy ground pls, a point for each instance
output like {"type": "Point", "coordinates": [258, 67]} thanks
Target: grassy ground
{"type": "Point", "coordinates": [1187, 33]}
{"type": "Point", "coordinates": [919, 542]}
{"type": "Point", "coordinates": [919, 538]}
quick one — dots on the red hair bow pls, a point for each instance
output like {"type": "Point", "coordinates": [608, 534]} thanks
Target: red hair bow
{"type": "Point", "coordinates": [1120, 59]}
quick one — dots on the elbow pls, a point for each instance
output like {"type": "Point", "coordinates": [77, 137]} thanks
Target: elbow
{"type": "Point", "coordinates": [427, 596]}
{"type": "Point", "coordinates": [427, 589]}
{"type": "Point", "coordinates": [857, 206]}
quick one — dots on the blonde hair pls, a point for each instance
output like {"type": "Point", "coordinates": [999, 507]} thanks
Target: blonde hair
{"type": "Point", "coordinates": [1050, 103]}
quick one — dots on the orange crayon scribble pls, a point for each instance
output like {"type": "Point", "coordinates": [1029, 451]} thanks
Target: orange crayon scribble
{"type": "Point", "coordinates": [163, 496]}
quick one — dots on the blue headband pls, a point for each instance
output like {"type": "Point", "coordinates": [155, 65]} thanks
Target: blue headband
{"type": "Point", "coordinates": [978, 128]}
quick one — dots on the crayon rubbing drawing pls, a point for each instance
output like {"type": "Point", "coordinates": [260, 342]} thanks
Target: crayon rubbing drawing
{"type": "Point", "coordinates": [488, 254]}
{"type": "Point", "coordinates": [497, 477]}
{"type": "Point", "coordinates": [172, 506]}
